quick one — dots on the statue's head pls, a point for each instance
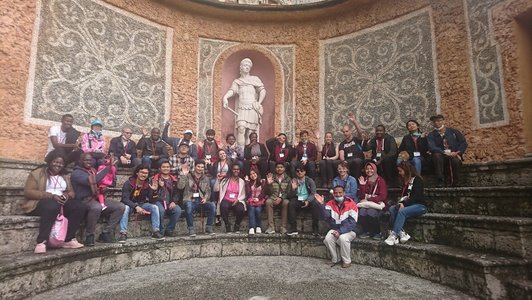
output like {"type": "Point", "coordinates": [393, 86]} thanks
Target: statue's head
{"type": "Point", "coordinates": [245, 65]}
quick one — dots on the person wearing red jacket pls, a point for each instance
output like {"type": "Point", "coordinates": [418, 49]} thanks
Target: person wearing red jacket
{"type": "Point", "coordinates": [305, 154]}
{"type": "Point", "coordinates": [372, 193]}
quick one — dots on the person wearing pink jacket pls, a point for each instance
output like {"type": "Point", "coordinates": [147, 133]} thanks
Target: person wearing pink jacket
{"type": "Point", "coordinates": [94, 143]}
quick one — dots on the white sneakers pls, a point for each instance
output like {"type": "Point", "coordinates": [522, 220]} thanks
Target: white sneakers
{"type": "Point", "coordinates": [256, 230]}
{"type": "Point", "coordinates": [393, 239]}
{"type": "Point", "coordinates": [251, 231]}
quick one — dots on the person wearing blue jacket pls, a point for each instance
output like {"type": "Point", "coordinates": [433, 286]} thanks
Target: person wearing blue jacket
{"type": "Point", "coordinates": [447, 146]}
{"type": "Point", "coordinates": [349, 183]}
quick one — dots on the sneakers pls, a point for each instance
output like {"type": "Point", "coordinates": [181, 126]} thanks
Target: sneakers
{"type": "Point", "coordinates": [392, 239]}
{"type": "Point", "coordinates": [251, 231]}
{"type": "Point", "coordinates": [346, 265]}
{"type": "Point", "coordinates": [315, 233]}
{"type": "Point", "coordinates": [209, 230]}
{"type": "Point", "coordinates": [73, 244]}
{"type": "Point", "coordinates": [105, 237]}
{"type": "Point", "coordinates": [191, 232]}
{"type": "Point", "coordinates": [365, 235]}
{"type": "Point", "coordinates": [404, 237]}
{"type": "Point", "coordinates": [258, 230]}
{"type": "Point", "coordinates": [283, 231]}
{"type": "Point", "coordinates": [270, 230]}
{"type": "Point", "coordinates": [40, 248]}
{"type": "Point", "coordinates": [218, 221]}
{"type": "Point", "coordinates": [89, 241]}
{"type": "Point", "coordinates": [292, 233]}
{"type": "Point", "coordinates": [122, 238]}
{"type": "Point", "coordinates": [103, 207]}
{"type": "Point", "coordinates": [157, 236]}
{"type": "Point", "coordinates": [169, 233]}
{"type": "Point", "coordinates": [377, 237]}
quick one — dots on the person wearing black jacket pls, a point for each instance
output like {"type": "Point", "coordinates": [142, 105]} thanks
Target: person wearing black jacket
{"type": "Point", "coordinates": [280, 151]}
{"type": "Point", "coordinates": [415, 144]}
{"type": "Point", "coordinates": [124, 149]}
{"type": "Point", "coordinates": [411, 204]}
{"type": "Point", "coordinates": [383, 153]}
{"type": "Point", "coordinates": [255, 156]}
{"type": "Point", "coordinates": [166, 196]}
{"type": "Point", "coordinates": [136, 194]}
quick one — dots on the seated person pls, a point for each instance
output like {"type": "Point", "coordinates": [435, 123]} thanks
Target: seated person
{"type": "Point", "coordinates": [197, 191]}
{"type": "Point", "coordinates": [232, 196]}
{"type": "Point", "coordinates": [256, 156]}
{"type": "Point", "coordinates": [301, 196]}
{"type": "Point", "coordinates": [411, 204]}
{"type": "Point", "coordinates": [305, 154]}
{"type": "Point", "coordinates": [373, 193]}
{"type": "Point", "coordinates": [280, 151]}
{"type": "Point", "coordinates": [341, 213]}
{"type": "Point", "coordinates": [152, 150]}
{"type": "Point", "coordinates": [349, 183]}
{"type": "Point", "coordinates": [136, 194]}
{"type": "Point", "coordinates": [94, 143]}
{"type": "Point", "coordinates": [48, 191]}
{"type": "Point", "coordinates": [85, 183]}
{"type": "Point", "coordinates": [220, 169]}
{"type": "Point", "coordinates": [383, 153]}
{"type": "Point", "coordinates": [181, 158]}
{"type": "Point", "coordinates": [176, 142]}
{"type": "Point", "coordinates": [208, 149]}
{"type": "Point", "coordinates": [256, 191]}
{"type": "Point", "coordinates": [350, 149]}
{"type": "Point", "coordinates": [125, 149]}
{"type": "Point", "coordinates": [64, 138]}
{"type": "Point", "coordinates": [415, 144]}
{"type": "Point", "coordinates": [166, 196]}
{"type": "Point", "coordinates": [277, 189]}
{"type": "Point", "coordinates": [234, 151]}
{"type": "Point", "coordinates": [329, 159]}
{"type": "Point", "coordinates": [447, 146]}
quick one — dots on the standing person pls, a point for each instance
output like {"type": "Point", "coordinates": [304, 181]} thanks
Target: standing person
{"type": "Point", "coordinates": [251, 94]}
{"type": "Point", "coordinates": [349, 183]}
{"type": "Point", "coordinates": [255, 189]}
{"type": "Point", "coordinates": [301, 197]}
{"type": "Point", "coordinates": [342, 214]}
{"type": "Point", "coordinates": [125, 149]}
{"type": "Point", "coordinates": [166, 197]}
{"type": "Point", "coordinates": [136, 194]}
{"type": "Point", "coordinates": [448, 146]}
{"type": "Point", "coordinates": [232, 196]}
{"type": "Point", "coordinates": [280, 152]}
{"type": "Point", "coordinates": [46, 192]}
{"type": "Point", "coordinates": [277, 195]}
{"type": "Point", "coordinates": [373, 193]}
{"type": "Point", "coordinates": [152, 150]}
{"type": "Point", "coordinates": [411, 204]}
{"type": "Point", "coordinates": [197, 191]}
{"type": "Point", "coordinates": [350, 149]}
{"type": "Point", "coordinates": [383, 153]}
{"type": "Point", "coordinates": [415, 144]}
{"type": "Point", "coordinates": [94, 143]}
{"type": "Point", "coordinates": [256, 156]}
{"type": "Point", "coordinates": [64, 138]}
{"type": "Point", "coordinates": [175, 142]}
{"type": "Point", "coordinates": [305, 154]}
{"type": "Point", "coordinates": [234, 151]}
{"type": "Point", "coordinates": [329, 159]}
{"type": "Point", "coordinates": [85, 183]}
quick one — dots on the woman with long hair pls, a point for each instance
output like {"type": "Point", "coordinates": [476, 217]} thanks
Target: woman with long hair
{"type": "Point", "coordinates": [256, 192]}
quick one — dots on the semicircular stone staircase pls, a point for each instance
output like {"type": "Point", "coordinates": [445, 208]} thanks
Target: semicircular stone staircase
{"type": "Point", "coordinates": [477, 238]}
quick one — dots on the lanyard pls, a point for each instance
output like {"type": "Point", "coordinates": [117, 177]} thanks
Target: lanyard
{"type": "Point", "coordinates": [327, 149]}
{"type": "Point", "coordinates": [196, 183]}
{"type": "Point", "coordinates": [55, 181]}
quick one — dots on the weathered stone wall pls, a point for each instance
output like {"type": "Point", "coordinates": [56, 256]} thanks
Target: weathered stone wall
{"type": "Point", "coordinates": [21, 138]}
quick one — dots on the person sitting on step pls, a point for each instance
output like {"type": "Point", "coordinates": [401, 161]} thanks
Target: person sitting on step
{"type": "Point", "coordinates": [415, 144]}
{"type": "Point", "coordinates": [277, 189]}
{"type": "Point", "coordinates": [383, 154]}
{"type": "Point", "coordinates": [93, 142]}
{"type": "Point", "coordinates": [64, 138]}
{"type": "Point", "coordinates": [166, 196]}
{"type": "Point", "coordinates": [373, 193]}
{"type": "Point", "coordinates": [176, 142]}
{"type": "Point", "coordinates": [125, 149]}
{"type": "Point", "coordinates": [256, 191]}
{"type": "Point", "coordinates": [305, 153]}
{"type": "Point", "coordinates": [329, 159]}
{"type": "Point", "coordinates": [348, 182]}
{"type": "Point", "coordinates": [232, 196]}
{"type": "Point", "coordinates": [301, 196]}
{"type": "Point", "coordinates": [152, 149]}
{"type": "Point", "coordinates": [411, 204]}
{"type": "Point", "coordinates": [136, 194]}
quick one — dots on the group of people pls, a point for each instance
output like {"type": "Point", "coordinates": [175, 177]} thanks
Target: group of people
{"type": "Point", "coordinates": [217, 179]}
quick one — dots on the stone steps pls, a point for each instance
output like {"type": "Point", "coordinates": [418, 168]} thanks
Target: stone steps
{"type": "Point", "coordinates": [482, 275]}
{"type": "Point", "coordinates": [506, 235]}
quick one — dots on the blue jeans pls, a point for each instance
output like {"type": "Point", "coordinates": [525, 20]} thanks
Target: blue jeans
{"type": "Point", "coordinates": [399, 216]}
{"type": "Point", "coordinates": [146, 206]}
{"type": "Point", "coordinates": [255, 213]}
{"type": "Point", "coordinates": [416, 162]}
{"type": "Point", "coordinates": [191, 206]}
{"type": "Point", "coordinates": [174, 213]}
{"type": "Point", "coordinates": [147, 161]}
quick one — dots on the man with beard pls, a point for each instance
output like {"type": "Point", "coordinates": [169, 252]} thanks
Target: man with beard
{"type": "Point", "coordinates": [152, 150]}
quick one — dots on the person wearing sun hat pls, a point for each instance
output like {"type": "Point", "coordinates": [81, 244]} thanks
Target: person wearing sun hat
{"type": "Point", "coordinates": [93, 142]}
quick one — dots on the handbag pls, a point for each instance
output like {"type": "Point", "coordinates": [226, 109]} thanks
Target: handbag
{"type": "Point", "coordinates": [59, 231]}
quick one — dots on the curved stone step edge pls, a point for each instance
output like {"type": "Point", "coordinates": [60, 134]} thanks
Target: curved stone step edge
{"type": "Point", "coordinates": [88, 262]}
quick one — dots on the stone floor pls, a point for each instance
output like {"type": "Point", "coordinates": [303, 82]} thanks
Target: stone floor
{"type": "Point", "coordinates": [259, 277]}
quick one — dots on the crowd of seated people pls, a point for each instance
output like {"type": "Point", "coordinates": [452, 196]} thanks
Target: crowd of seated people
{"type": "Point", "coordinates": [172, 175]}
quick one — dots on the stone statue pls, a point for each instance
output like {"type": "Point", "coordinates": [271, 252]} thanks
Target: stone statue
{"type": "Point", "coordinates": [251, 94]}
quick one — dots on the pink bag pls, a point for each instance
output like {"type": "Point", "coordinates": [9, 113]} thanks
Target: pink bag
{"type": "Point", "coordinates": [59, 231]}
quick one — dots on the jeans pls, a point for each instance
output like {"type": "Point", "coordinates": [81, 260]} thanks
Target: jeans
{"type": "Point", "coordinates": [152, 208]}
{"type": "Point", "coordinates": [399, 216]}
{"type": "Point", "coordinates": [191, 206]}
{"type": "Point", "coordinates": [174, 213]}
{"type": "Point", "coordinates": [416, 162]}
{"type": "Point", "coordinates": [255, 214]}
{"type": "Point", "coordinates": [147, 161]}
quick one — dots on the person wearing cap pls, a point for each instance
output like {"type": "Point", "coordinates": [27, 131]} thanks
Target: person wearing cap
{"type": "Point", "coordinates": [123, 148]}
{"type": "Point", "coordinates": [447, 146]}
{"type": "Point", "coordinates": [94, 143]}
{"type": "Point", "coordinates": [175, 142]}
{"type": "Point", "coordinates": [182, 157]}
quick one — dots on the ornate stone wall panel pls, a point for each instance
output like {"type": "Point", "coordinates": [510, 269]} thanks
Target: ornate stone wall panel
{"type": "Point", "coordinates": [210, 50]}
{"type": "Point", "coordinates": [486, 65]}
{"type": "Point", "coordinates": [386, 74]}
{"type": "Point", "coordinates": [286, 57]}
{"type": "Point", "coordinates": [91, 59]}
